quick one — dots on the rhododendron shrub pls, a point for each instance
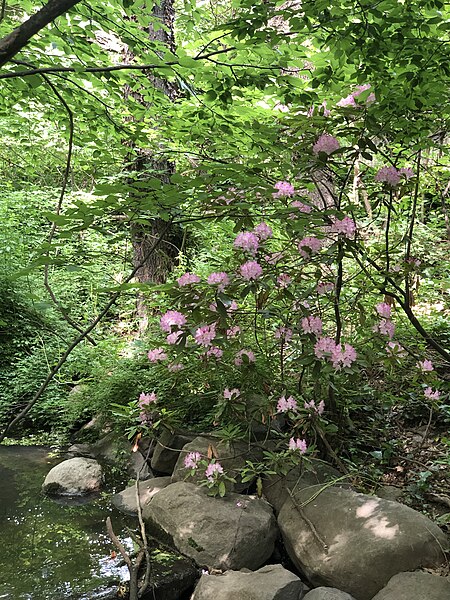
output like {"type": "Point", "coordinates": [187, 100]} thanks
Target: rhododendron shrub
{"type": "Point", "coordinates": [280, 328]}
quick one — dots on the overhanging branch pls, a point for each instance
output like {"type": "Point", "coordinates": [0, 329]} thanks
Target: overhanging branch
{"type": "Point", "coordinates": [11, 44]}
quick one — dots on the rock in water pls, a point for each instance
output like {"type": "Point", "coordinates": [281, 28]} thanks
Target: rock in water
{"type": "Point", "coordinates": [327, 593]}
{"type": "Point", "coordinates": [74, 477]}
{"type": "Point", "coordinates": [223, 533]}
{"type": "Point", "coordinates": [355, 542]}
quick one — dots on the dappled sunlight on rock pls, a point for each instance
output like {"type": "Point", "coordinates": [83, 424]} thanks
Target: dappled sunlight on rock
{"type": "Point", "coordinates": [380, 527]}
{"type": "Point", "coordinates": [367, 508]}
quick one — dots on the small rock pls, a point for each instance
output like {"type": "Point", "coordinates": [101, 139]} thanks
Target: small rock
{"type": "Point", "coordinates": [412, 586]}
{"type": "Point", "coordinates": [272, 582]}
{"type": "Point", "coordinates": [327, 593]}
{"type": "Point", "coordinates": [222, 533]}
{"type": "Point", "coordinates": [73, 477]}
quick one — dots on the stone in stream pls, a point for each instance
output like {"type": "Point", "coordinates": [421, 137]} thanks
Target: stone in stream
{"type": "Point", "coordinates": [74, 477]}
{"type": "Point", "coordinates": [126, 500]}
{"type": "Point", "coordinates": [327, 593]}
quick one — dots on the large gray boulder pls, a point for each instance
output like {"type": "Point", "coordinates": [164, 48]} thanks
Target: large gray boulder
{"type": "Point", "coordinates": [327, 593]}
{"type": "Point", "coordinates": [277, 488]}
{"type": "Point", "coordinates": [126, 500]}
{"type": "Point", "coordinates": [355, 542]}
{"type": "Point", "coordinates": [222, 533]}
{"type": "Point", "coordinates": [74, 477]}
{"type": "Point", "coordinates": [231, 455]}
{"type": "Point", "coordinates": [272, 582]}
{"type": "Point", "coordinates": [415, 586]}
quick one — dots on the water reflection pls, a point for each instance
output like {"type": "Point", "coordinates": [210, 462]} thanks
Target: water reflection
{"type": "Point", "coordinates": [50, 550]}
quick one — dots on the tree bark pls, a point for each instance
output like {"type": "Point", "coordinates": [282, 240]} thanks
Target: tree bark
{"type": "Point", "coordinates": [142, 236]}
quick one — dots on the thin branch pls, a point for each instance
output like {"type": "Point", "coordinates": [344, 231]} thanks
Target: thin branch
{"type": "Point", "coordinates": [121, 67]}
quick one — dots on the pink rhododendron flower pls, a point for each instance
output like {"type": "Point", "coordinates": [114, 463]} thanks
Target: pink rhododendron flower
{"type": "Point", "coordinates": [283, 333]}
{"type": "Point", "coordinates": [395, 349]}
{"type": "Point", "coordinates": [346, 227]}
{"type": "Point", "coordinates": [238, 361]}
{"type": "Point", "coordinates": [313, 243]}
{"type": "Point", "coordinates": [228, 394]}
{"type": "Point", "coordinates": [263, 231]}
{"type": "Point", "coordinates": [385, 327]}
{"type": "Point", "coordinates": [283, 189]}
{"type": "Point", "coordinates": [191, 460]}
{"type": "Point", "coordinates": [214, 352]}
{"type": "Point", "coordinates": [170, 318]}
{"type": "Point", "coordinates": [205, 335]}
{"type": "Point", "coordinates": [304, 208]}
{"type": "Point", "coordinates": [326, 143]}
{"type": "Point", "coordinates": [431, 395]}
{"type": "Point", "coordinates": [146, 399]}
{"type": "Point", "coordinates": [220, 279]}
{"type": "Point", "coordinates": [233, 332]}
{"type": "Point", "coordinates": [298, 444]}
{"type": "Point", "coordinates": [174, 337]}
{"type": "Point", "coordinates": [187, 279]}
{"type": "Point", "coordinates": [213, 470]}
{"type": "Point", "coordinates": [156, 355]}
{"type": "Point", "coordinates": [284, 280]}
{"type": "Point", "coordinates": [319, 409]}
{"type": "Point", "coordinates": [247, 241]}
{"type": "Point", "coordinates": [342, 358]}
{"type": "Point", "coordinates": [284, 404]}
{"type": "Point", "coordinates": [407, 172]}
{"type": "Point", "coordinates": [388, 175]}
{"type": "Point", "coordinates": [384, 310]}
{"type": "Point", "coordinates": [312, 325]}
{"type": "Point", "coordinates": [425, 365]}
{"type": "Point", "coordinates": [324, 346]}
{"type": "Point", "coordinates": [175, 367]}
{"type": "Point", "coordinates": [323, 287]}
{"type": "Point", "coordinates": [251, 270]}
{"type": "Point", "coordinates": [350, 100]}
{"type": "Point", "coordinates": [347, 101]}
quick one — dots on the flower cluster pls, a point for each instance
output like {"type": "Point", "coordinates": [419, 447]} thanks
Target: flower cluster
{"type": "Point", "coordinates": [213, 470]}
{"type": "Point", "coordinates": [156, 355]}
{"type": "Point", "coordinates": [311, 406]}
{"type": "Point", "coordinates": [187, 279]}
{"type": "Point", "coordinates": [313, 244]}
{"type": "Point", "coordinates": [220, 279]}
{"type": "Point", "coordinates": [425, 366]}
{"type": "Point", "coordinates": [284, 404]}
{"type": "Point", "coordinates": [346, 227]}
{"type": "Point", "coordinates": [351, 99]}
{"type": "Point", "coordinates": [392, 176]}
{"type": "Point", "coordinates": [312, 325]}
{"type": "Point", "coordinates": [327, 144]}
{"type": "Point", "coordinates": [284, 189]}
{"type": "Point", "coordinates": [249, 355]}
{"type": "Point", "coordinates": [338, 356]}
{"type": "Point", "coordinates": [284, 280]}
{"type": "Point", "coordinates": [263, 232]}
{"type": "Point", "coordinates": [230, 394]}
{"type": "Point", "coordinates": [205, 335]}
{"type": "Point", "coordinates": [298, 444]}
{"type": "Point", "coordinates": [304, 208]}
{"type": "Point", "coordinates": [192, 460]}
{"type": "Point", "coordinates": [248, 241]}
{"type": "Point", "coordinates": [431, 394]}
{"type": "Point", "coordinates": [171, 318]}
{"type": "Point", "coordinates": [283, 333]}
{"type": "Point", "coordinates": [251, 270]}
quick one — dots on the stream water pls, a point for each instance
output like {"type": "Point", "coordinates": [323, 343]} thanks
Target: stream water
{"type": "Point", "coordinates": [51, 551]}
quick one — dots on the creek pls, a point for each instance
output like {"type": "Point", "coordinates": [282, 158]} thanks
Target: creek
{"type": "Point", "coordinates": [52, 551]}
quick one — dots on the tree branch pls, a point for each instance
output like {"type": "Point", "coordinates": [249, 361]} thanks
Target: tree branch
{"type": "Point", "coordinates": [11, 44]}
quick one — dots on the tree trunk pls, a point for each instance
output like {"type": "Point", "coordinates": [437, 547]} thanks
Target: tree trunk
{"type": "Point", "coordinates": [156, 269]}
